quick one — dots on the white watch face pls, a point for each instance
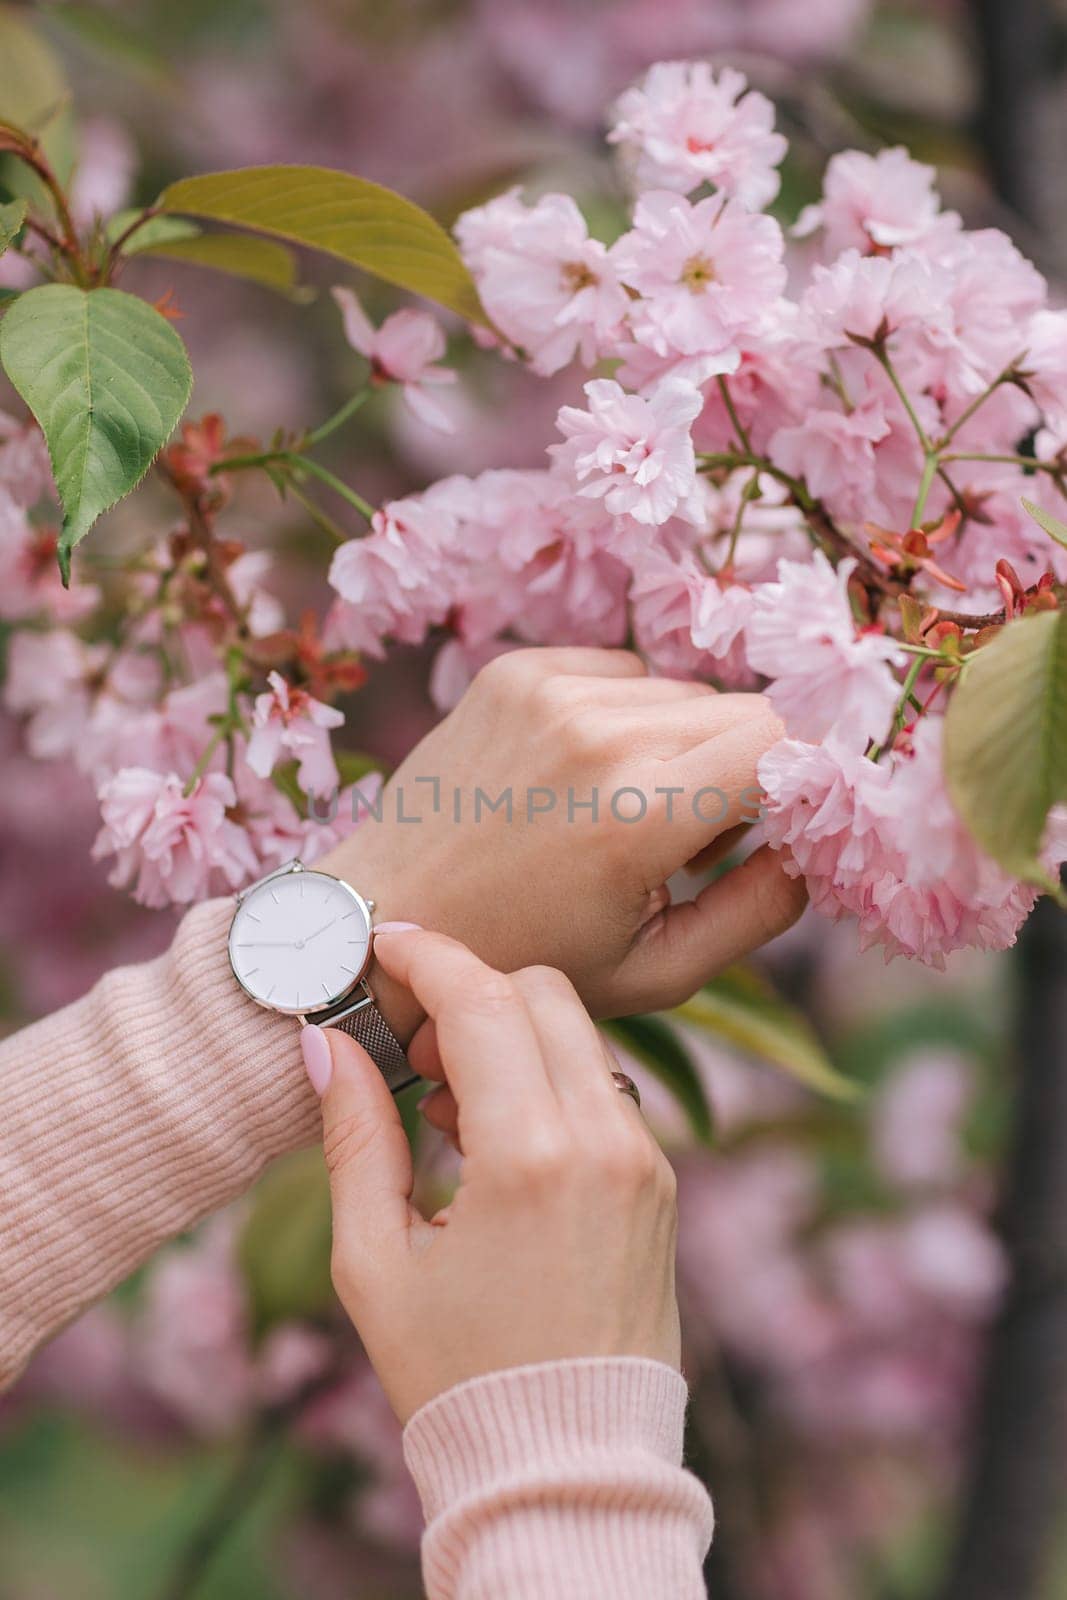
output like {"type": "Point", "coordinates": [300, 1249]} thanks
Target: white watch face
{"type": "Point", "coordinates": [300, 942]}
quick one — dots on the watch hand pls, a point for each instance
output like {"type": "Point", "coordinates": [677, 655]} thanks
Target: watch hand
{"type": "Point", "coordinates": [266, 944]}
{"type": "Point", "coordinates": [300, 943]}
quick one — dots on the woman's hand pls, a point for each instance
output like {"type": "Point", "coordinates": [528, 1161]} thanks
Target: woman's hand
{"type": "Point", "coordinates": [559, 1241]}
{"type": "Point", "coordinates": [547, 880]}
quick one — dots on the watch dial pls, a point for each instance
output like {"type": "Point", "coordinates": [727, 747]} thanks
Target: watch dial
{"type": "Point", "coordinates": [300, 942]}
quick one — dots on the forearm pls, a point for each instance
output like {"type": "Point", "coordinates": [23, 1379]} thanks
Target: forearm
{"type": "Point", "coordinates": [560, 1482]}
{"type": "Point", "coordinates": [130, 1115]}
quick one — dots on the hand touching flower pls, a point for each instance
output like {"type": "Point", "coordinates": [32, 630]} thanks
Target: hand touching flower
{"type": "Point", "coordinates": [603, 766]}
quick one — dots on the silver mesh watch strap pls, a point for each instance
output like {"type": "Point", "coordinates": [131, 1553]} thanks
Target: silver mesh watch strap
{"type": "Point", "coordinates": [359, 1015]}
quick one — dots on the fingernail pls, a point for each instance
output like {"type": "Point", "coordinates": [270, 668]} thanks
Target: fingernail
{"type": "Point", "coordinates": [318, 1062]}
{"type": "Point", "coordinates": [420, 1105]}
{"type": "Point", "coordinates": [397, 927]}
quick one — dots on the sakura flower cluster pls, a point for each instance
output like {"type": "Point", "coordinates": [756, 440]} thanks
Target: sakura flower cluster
{"type": "Point", "coordinates": [810, 454]}
{"type": "Point", "coordinates": [804, 475]}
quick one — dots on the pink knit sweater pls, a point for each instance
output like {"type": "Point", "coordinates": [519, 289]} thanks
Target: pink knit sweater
{"type": "Point", "coordinates": [161, 1096]}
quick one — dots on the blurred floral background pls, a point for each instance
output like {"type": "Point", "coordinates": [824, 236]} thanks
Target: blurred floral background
{"type": "Point", "coordinates": [213, 1430]}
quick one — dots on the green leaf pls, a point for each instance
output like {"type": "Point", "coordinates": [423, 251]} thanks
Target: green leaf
{"type": "Point", "coordinates": [344, 216]}
{"type": "Point", "coordinates": [1005, 748]}
{"type": "Point", "coordinates": [107, 378]}
{"type": "Point", "coordinates": [656, 1044]}
{"type": "Point", "coordinates": [742, 1007]}
{"type": "Point", "coordinates": [241, 255]}
{"type": "Point", "coordinates": [1053, 527]}
{"type": "Point", "coordinates": [284, 1248]}
{"type": "Point", "coordinates": [11, 219]}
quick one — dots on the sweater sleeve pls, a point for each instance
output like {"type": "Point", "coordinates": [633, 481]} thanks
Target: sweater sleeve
{"type": "Point", "coordinates": [130, 1115]}
{"type": "Point", "coordinates": [562, 1481]}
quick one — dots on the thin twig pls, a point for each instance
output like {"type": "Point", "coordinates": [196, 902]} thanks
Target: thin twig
{"type": "Point", "coordinates": [731, 411]}
{"type": "Point", "coordinates": [127, 233]}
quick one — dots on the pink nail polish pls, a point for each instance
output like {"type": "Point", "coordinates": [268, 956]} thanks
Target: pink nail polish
{"type": "Point", "coordinates": [318, 1062]}
{"type": "Point", "coordinates": [397, 927]}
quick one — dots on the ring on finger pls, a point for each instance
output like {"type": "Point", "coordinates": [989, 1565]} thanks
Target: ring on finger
{"type": "Point", "coordinates": [626, 1085]}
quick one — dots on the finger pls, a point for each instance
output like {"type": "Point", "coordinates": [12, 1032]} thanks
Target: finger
{"type": "Point", "coordinates": [719, 788]}
{"type": "Point", "coordinates": [690, 943]}
{"type": "Point", "coordinates": [670, 727]}
{"type": "Point", "coordinates": [367, 1152]}
{"type": "Point", "coordinates": [423, 1053]}
{"type": "Point", "coordinates": [487, 1043]}
{"type": "Point", "coordinates": [573, 1048]}
{"type": "Point", "coordinates": [441, 1111]}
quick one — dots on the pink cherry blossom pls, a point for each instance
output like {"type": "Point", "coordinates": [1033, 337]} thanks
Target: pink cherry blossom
{"type": "Point", "coordinates": [1045, 363]}
{"type": "Point", "coordinates": [32, 585]}
{"type": "Point", "coordinates": [50, 680]}
{"type": "Point", "coordinates": [404, 350]}
{"type": "Point", "coordinates": [876, 203]}
{"type": "Point", "coordinates": [882, 842]}
{"type": "Point", "coordinates": [192, 1337]}
{"type": "Point", "coordinates": [709, 275]}
{"type": "Point", "coordinates": [533, 557]}
{"type": "Point", "coordinates": [918, 1119]}
{"type": "Point", "coordinates": [769, 389]}
{"type": "Point", "coordinates": [688, 623]}
{"type": "Point", "coordinates": [861, 459]}
{"type": "Point", "coordinates": [171, 848]}
{"type": "Point", "coordinates": [951, 895]}
{"type": "Point", "coordinates": [904, 298]}
{"type": "Point", "coordinates": [738, 1259]}
{"type": "Point", "coordinates": [288, 722]}
{"type": "Point", "coordinates": [506, 550]}
{"type": "Point", "coordinates": [994, 292]}
{"type": "Point", "coordinates": [826, 675]}
{"type": "Point", "coordinates": [635, 454]}
{"type": "Point", "coordinates": [769, 526]}
{"type": "Point", "coordinates": [130, 725]}
{"type": "Point", "coordinates": [293, 1355]}
{"type": "Point", "coordinates": [681, 127]}
{"type": "Point", "coordinates": [952, 1257]}
{"type": "Point", "coordinates": [549, 287]}
{"type": "Point", "coordinates": [666, 597]}
{"type": "Point", "coordinates": [393, 583]}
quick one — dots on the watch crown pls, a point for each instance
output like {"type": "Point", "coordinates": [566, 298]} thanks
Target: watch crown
{"type": "Point", "coordinates": [372, 905]}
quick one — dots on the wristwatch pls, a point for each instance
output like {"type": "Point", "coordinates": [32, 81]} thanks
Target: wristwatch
{"type": "Point", "coordinates": [300, 943]}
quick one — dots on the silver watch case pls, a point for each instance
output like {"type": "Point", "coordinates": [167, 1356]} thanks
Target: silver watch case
{"type": "Point", "coordinates": [364, 907]}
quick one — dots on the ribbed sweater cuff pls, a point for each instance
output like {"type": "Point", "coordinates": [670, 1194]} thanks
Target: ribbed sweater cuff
{"type": "Point", "coordinates": [544, 1415]}
{"type": "Point", "coordinates": [560, 1480]}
